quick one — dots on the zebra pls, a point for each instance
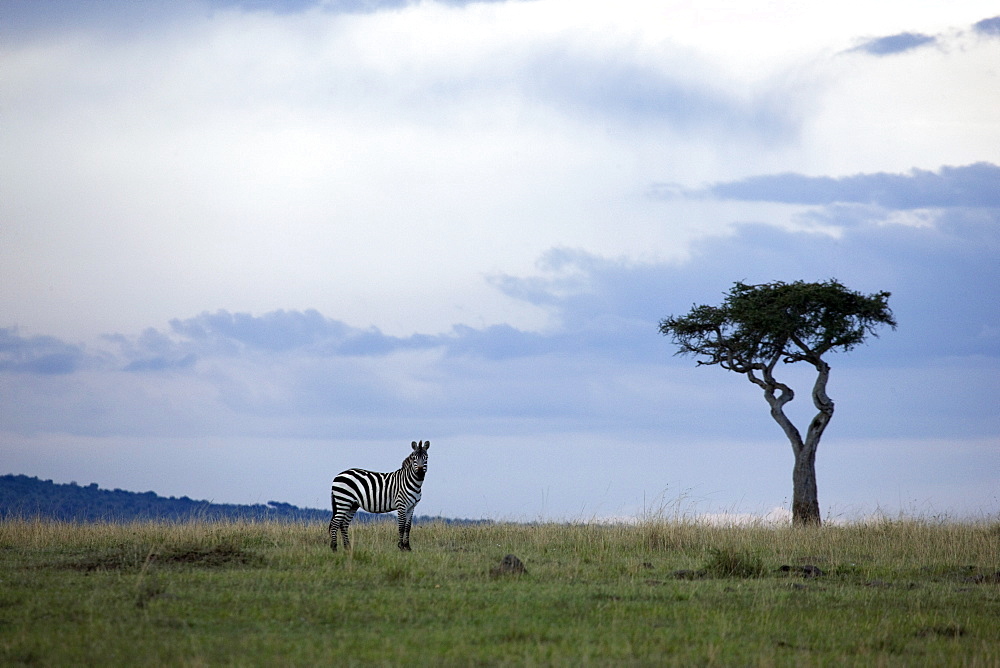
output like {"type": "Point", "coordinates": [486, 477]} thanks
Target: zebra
{"type": "Point", "coordinates": [379, 493]}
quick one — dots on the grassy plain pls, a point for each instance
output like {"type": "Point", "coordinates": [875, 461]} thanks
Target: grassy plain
{"type": "Point", "coordinates": [660, 593]}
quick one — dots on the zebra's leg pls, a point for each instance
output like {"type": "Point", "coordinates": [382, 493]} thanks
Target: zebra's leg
{"type": "Point", "coordinates": [345, 522]}
{"type": "Point", "coordinates": [333, 531]}
{"type": "Point", "coordinates": [405, 522]}
{"type": "Point", "coordinates": [404, 535]}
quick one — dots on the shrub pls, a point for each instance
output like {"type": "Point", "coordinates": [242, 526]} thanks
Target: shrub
{"type": "Point", "coordinates": [726, 563]}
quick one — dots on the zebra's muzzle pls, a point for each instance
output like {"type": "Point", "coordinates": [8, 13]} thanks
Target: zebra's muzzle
{"type": "Point", "coordinates": [421, 472]}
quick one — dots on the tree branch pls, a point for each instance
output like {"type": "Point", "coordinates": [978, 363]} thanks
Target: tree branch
{"type": "Point", "coordinates": [822, 402]}
{"type": "Point", "coordinates": [777, 403]}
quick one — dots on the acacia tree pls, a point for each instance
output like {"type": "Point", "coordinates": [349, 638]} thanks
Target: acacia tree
{"type": "Point", "coordinates": [758, 326]}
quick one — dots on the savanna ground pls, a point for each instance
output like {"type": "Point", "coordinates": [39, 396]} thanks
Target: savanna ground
{"type": "Point", "coordinates": [658, 593]}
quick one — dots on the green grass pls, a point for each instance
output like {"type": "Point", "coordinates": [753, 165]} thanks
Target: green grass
{"type": "Point", "coordinates": [660, 593]}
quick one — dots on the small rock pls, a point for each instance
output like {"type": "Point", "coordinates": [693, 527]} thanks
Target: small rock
{"type": "Point", "coordinates": [810, 571]}
{"type": "Point", "coordinates": [509, 565]}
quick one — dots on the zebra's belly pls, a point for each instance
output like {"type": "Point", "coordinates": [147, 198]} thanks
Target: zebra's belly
{"type": "Point", "coordinates": [372, 507]}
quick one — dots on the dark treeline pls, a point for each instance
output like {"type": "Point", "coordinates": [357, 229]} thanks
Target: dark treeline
{"type": "Point", "coordinates": [23, 497]}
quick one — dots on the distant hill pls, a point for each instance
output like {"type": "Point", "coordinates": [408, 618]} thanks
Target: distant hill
{"type": "Point", "coordinates": [23, 497]}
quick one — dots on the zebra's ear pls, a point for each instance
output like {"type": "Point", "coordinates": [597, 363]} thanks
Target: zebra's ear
{"type": "Point", "coordinates": [427, 445]}
{"type": "Point", "coordinates": [414, 445]}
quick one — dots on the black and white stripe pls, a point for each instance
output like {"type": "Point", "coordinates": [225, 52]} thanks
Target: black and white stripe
{"type": "Point", "coordinates": [379, 493]}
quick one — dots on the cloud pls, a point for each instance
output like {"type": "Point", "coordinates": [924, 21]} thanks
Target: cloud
{"type": "Point", "coordinates": [616, 302]}
{"type": "Point", "coordinates": [352, 147]}
{"type": "Point", "coordinates": [910, 41]}
{"type": "Point", "coordinates": [45, 355]}
{"type": "Point", "coordinates": [112, 16]}
{"type": "Point", "coordinates": [893, 44]}
{"type": "Point", "coordinates": [905, 42]}
{"type": "Point", "coordinates": [608, 308]}
{"type": "Point", "coordinates": [976, 185]}
{"type": "Point", "coordinates": [620, 86]}
{"type": "Point", "coordinates": [275, 331]}
{"type": "Point", "coordinates": [303, 200]}
{"type": "Point", "coordinates": [601, 364]}
{"type": "Point", "coordinates": [988, 27]}
{"type": "Point", "coordinates": [339, 6]}
{"type": "Point", "coordinates": [309, 333]}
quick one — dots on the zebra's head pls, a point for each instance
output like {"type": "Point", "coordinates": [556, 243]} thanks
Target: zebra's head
{"type": "Point", "coordinates": [417, 460]}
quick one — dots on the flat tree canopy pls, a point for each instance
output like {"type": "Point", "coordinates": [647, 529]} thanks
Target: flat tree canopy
{"type": "Point", "coordinates": [758, 326]}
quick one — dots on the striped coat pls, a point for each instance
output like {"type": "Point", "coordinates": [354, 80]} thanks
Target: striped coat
{"type": "Point", "coordinates": [376, 492]}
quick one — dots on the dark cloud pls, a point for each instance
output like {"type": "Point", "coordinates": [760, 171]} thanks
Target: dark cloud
{"type": "Point", "coordinates": [293, 6]}
{"type": "Point", "coordinates": [30, 18]}
{"type": "Point", "coordinates": [607, 307]}
{"type": "Point", "coordinates": [275, 331]}
{"type": "Point", "coordinates": [988, 27]}
{"type": "Point", "coordinates": [909, 41]}
{"type": "Point", "coordinates": [306, 332]}
{"type": "Point", "coordinates": [33, 18]}
{"type": "Point", "coordinates": [893, 44]}
{"type": "Point", "coordinates": [606, 88]}
{"type": "Point", "coordinates": [310, 334]}
{"type": "Point", "coordinates": [943, 276]}
{"type": "Point", "coordinates": [336, 6]}
{"type": "Point", "coordinates": [42, 355]}
{"type": "Point", "coordinates": [226, 334]}
{"type": "Point", "coordinates": [940, 277]}
{"type": "Point", "coordinates": [976, 185]}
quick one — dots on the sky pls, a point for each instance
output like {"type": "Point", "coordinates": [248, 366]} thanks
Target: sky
{"type": "Point", "coordinates": [247, 244]}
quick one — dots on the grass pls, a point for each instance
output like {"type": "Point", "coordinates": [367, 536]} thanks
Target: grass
{"type": "Point", "coordinates": [659, 593]}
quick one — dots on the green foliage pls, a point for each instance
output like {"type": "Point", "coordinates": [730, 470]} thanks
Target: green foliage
{"type": "Point", "coordinates": [892, 593]}
{"type": "Point", "coordinates": [757, 324]}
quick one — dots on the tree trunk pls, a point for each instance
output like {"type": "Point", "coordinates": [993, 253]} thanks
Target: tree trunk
{"type": "Point", "coordinates": [805, 497]}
